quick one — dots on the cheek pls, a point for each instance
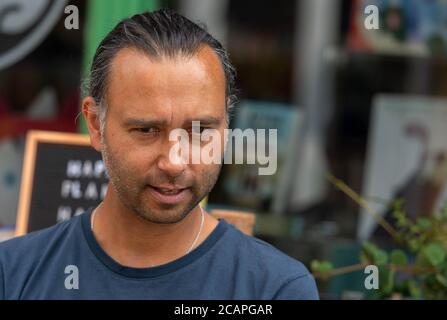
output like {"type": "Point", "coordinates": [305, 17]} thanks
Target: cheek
{"type": "Point", "coordinates": [203, 172]}
{"type": "Point", "coordinates": [140, 161]}
{"type": "Point", "coordinates": [133, 152]}
{"type": "Point", "coordinates": [121, 162]}
{"type": "Point", "coordinates": [128, 160]}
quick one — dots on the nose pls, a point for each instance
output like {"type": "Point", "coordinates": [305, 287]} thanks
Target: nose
{"type": "Point", "coordinates": [172, 160]}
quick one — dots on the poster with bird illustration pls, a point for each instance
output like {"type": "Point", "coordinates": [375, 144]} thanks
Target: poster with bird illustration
{"type": "Point", "coordinates": [406, 158]}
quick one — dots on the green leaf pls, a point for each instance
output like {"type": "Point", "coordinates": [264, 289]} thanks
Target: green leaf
{"type": "Point", "coordinates": [441, 279]}
{"type": "Point", "coordinates": [424, 223]}
{"type": "Point", "coordinates": [399, 258]}
{"type": "Point", "coordinates": [414, 244]}
{"type": "Point", "coordinates": [321, 266]}
{"type": "Point", "coordinates": [386, 280]}
{"type": "Point", "coordinates": [435, 253]}
{"type": "Point", "coordinates": [414, 290]}
{"type": "Point", "coordinates": [399, 214]}
{"type": "Point", "coordinates": [372, 254]}
{"type": "Point", "coordinates": [381, 258]}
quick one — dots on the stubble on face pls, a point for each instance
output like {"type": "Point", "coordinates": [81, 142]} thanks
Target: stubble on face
{"type": "Point", "coordinates": [130, 187]}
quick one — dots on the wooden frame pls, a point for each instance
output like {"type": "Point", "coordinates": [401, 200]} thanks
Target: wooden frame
{"type": "Point", "coordinates": [33, 138]}
{"type": "Point", "coordinates": [244, 221]}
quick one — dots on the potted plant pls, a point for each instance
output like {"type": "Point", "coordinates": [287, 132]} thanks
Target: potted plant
{"type": "Point", "coordinates": [416, 268]}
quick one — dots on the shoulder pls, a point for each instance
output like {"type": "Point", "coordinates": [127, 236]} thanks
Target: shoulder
{"type": "Point", "coordinates": [33, 246]}
{"type": "Point", "coordinates": [272, 265]}
{"type": "Point", "coordinates": [26, 258]}
{"type": "Point", "coordinates": [265, 255]}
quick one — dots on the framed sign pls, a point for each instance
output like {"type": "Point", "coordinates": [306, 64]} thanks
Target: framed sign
{"type": "Point", "coordinates": [406, 158]}
{"type": "Point", "coordinates": [62, 177]}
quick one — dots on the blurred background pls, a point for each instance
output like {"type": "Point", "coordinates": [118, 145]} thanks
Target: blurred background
{"type": "Point", "coordinates": [357, 96]}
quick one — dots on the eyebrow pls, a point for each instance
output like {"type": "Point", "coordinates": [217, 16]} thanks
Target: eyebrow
{"type": "Point", "coordinates": [144, 122]}
{"type": "Point", "coordinates": [207, 120]}
{"type": "Point", "coordinates": [134, 122]}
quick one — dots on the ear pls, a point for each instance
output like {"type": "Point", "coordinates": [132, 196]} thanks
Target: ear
{"type": "Point", "coordinates": [92, 121]}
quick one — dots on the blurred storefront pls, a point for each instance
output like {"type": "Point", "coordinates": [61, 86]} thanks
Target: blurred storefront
{"type": "Point", "coordinates": [367, 106]}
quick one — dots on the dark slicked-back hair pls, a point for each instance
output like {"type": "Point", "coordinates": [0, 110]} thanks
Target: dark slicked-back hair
{"type": "Point", "coordinates": [161, 33]}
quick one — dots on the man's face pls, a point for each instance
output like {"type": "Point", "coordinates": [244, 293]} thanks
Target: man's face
{"type": "Point", "coordinates": [147, 98]}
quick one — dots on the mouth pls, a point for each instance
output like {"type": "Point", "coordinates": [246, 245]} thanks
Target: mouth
{"type": "Point", "coordinates": [168, 195]}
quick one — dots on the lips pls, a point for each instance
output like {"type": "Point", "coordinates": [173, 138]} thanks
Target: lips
{"type": "Point", "coordinates": [168, 191]}
{"type": "Point", "coordinates": [168, 195]}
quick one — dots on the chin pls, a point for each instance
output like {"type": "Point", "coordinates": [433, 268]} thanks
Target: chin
{"type": "Point", "coordinates": [163, 216]}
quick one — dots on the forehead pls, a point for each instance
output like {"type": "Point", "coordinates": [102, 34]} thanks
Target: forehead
{"type": "Point", "coordinates": [140, 84]}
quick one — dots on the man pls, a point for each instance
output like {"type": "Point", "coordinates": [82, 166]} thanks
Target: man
{"type": "Point", "coordinates": [149, 238]}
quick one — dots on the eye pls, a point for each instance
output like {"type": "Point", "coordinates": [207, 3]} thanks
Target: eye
{"type": "Point", "coordinates": [146, 130]}
{"type": "Point", "coordinates": [198, 130]}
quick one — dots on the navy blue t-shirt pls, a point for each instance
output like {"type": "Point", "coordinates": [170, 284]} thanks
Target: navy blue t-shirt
{"type": "Point", "coordinates": [66, 262]}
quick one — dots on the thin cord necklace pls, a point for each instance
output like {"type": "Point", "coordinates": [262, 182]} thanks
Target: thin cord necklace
{"type": "Point", "coordinates": [202, 220]}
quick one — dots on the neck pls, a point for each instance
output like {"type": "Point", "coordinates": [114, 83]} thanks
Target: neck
{"type": "Point", "coordinates": [135, 242]}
